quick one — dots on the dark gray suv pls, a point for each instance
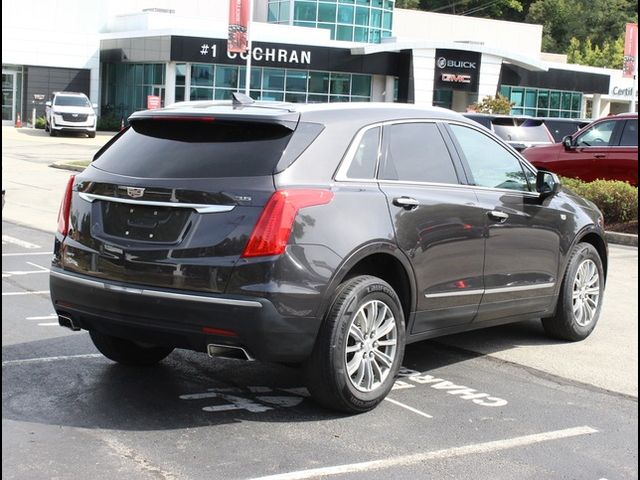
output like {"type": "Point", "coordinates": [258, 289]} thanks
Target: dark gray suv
{"type": "Point", "coordinates": [322, 235]}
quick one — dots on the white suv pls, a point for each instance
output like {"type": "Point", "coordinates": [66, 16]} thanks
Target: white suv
{"type": "Point", "coordinates": [70, 112]}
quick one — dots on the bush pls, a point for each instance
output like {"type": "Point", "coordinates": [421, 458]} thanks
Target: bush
{"type": "Point", "coordinates": [109, 123]}
{"type": "Point", "coordinates": [40, 121]}
{"type": "Point", "coordinates": [617, 200]}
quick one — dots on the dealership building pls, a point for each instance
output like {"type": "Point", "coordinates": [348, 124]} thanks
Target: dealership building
{"type": "Point", "coordinates": [120, 52]}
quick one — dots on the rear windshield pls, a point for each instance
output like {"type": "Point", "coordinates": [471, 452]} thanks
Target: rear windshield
{"type": "Point", "coordinates": [560, 129]}
{"type": "Point", "coordinates": [533, 133]}
{"type": "Point", "coordinates": [195, 149]}
{"type": "Point", "coordinates": [71, 101]}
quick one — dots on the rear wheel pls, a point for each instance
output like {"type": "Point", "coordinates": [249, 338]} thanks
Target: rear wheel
{"type": "Point", "coordinates": [580, 299]}
{"type": "Point", "coordinates": [128, 352]}
{"type": "Point", "coordinates": [359, 348]}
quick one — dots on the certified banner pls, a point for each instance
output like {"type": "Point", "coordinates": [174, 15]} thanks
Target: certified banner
{"type": "Point", "coordinates": [238, 23]}
{"type": "Point", "coordinates": [630, 50]}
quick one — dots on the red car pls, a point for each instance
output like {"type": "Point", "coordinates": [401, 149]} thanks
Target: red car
{"type": "Point", "coordinates": [606, 148]}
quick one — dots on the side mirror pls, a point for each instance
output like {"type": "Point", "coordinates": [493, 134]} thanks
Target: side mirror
{"type": "Point", "coordinates": [94, 105]}
{"type": "Point", "coordinates": [47, 104]}
{"type": "Point", "coordinates": [567, 142]}
{"type": "Point", "coordinates": [547, 183]}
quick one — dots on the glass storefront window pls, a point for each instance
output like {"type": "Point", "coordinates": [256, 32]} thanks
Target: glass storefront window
{"type": "Point", "coordinates": [340, 84]}
{"type": "Point", "coordinates": [326, 12]}
{"type": "Point", "coordinates": [345, 14]}
{"type": "Point", "coordinates": [318, 82]}
{"type": "Point", "coordinates": [201, 93]}
{"type": "Point", "coordinates": [202, 75]}
{"type": "Point", "coordinates": [543, 102]}
{"type": "Point", "coordinates": [296, 81]}
{"type": "Point", "coordinates": [305, 11]}
{"type": "Point", "coordinates": [332, 14]}
{"type": "Point", "coordinates": [227, 76]}
{"type": "Point", "coordinates": [273, 79]}
{"type": "Point", "coordinates": [361, 85]}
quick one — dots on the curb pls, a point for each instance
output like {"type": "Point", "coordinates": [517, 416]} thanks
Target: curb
{"type": "Point", "coordinates": [622, 238]}
{"type": "Point", "coordinates": [65, 166]}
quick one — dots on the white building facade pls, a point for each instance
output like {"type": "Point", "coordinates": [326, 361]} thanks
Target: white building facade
{"type": "Point", "coordinates": [120, 52]}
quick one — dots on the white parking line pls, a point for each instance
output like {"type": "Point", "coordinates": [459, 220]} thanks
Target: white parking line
{"type": "Point", "coordinates": [56, 324]}
{"type": "Point", "coordinates": [30, 292]}
{"type": "Point", "coordinates": [43, 317]}
{"type": "Point", "coordinates": [411, 409]}
{"type": "Point", "coordinates": [21, 254]}
{"type": "Point", "coordinates": [50, 359]}
{"type": "Point", "coordinates": [20, 243]}
{"type": "Point", "coordinates": [415, 458]}
{"type": "Point", "coordinates": [26, 272]}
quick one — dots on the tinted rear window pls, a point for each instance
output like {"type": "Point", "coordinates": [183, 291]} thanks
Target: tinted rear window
{"type": "Point", "coordinates": [522, 133]}
{"type": "Point", "coordinates": [195, 149]}
{"type": "Point", "coordinates": [560, 129]}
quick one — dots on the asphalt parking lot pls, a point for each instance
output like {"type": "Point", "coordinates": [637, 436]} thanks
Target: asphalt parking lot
{"type": "Point", "coordinates": [69, 413]}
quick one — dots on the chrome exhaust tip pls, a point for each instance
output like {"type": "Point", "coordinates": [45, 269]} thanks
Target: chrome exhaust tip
{"type": "Point", "coordinates": [228, 351]}
{"type": "Point", "coordinates": [67, 322]}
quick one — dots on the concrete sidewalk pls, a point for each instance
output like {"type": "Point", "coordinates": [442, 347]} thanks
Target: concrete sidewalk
{"type": "Point", "coordinates": [608, 359]}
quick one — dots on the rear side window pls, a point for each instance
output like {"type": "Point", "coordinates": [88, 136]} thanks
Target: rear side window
{"type": "Point", "coordinates": [195, 149]}
{"type": "Point", "coordinates": [365, 158]}
{"type": "Point", "coordinates": [630, 134]}
{"type": "Point", "coordinates": [416, 152]}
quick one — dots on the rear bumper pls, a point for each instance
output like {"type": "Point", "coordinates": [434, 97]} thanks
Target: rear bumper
{"type": "Point", "coordinates": [177, 318]}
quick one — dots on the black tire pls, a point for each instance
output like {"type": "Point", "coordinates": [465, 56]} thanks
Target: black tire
{"type": "Point", "coordinates": [327, 371]}
{"type": "Point", "coordinates": [46, 127]}
{"type": "Point", "coordinates": [52, 132]}
{"type": "Point", "coordinates": [128, 352]}
{"type": "Point", "coordinates": [565, 324]}
{"type": "Point", "coordinates": [91, 134]}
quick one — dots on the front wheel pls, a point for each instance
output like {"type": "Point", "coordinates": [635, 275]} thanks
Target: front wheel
{"type": "Point", "coordinates": [359, 348]}
{"type": "Point", "coordinates": [580, 299]}
{"type": "Point", "coordinates": [128, 352]}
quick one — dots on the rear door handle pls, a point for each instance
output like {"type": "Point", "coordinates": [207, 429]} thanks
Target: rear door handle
{"type": "Point", "coordinates": [500, 217]}
{"type": "Point", "coordinates": [600, 155]}
{"type": "Point", "coordinates": [406, 202]}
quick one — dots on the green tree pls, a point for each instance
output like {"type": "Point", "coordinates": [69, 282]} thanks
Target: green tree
{"type": "Point", "coordinates": [476, 8]}
{"type": "Point", "coordinates": [586, 53]}
{"type": "Point", "coordinates": [498, 104]}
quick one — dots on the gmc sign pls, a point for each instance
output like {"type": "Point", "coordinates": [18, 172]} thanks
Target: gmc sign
{"type": "Point", "coordinates": [455, 78]}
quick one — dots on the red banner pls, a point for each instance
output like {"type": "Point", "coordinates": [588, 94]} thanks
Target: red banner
{"type": "Point", "coordinates": [238, 26]}
{"type": "Point", "coordinates": [630, 50]}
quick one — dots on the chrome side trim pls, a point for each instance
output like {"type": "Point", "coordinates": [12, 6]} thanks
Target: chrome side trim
{"type": "Point", "coordinates": [491, 290]}
{"type": "Point", "coordinates": [198, 207]}
{"type": "Point", "coordinates": [156, 293]}
{"type": "Point", "coordinates": [521, 288]}
{"type": "Point", "coordinates": [454, 294]}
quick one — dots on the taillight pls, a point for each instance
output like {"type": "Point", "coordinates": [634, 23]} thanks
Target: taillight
{"type": "Point", "coordinates": [271, 233]}
{"type": "Point", "coordinates": [65, 208]}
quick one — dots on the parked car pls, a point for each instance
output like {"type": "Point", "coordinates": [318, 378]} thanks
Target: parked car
{"type": "Point", "coordinates": [70, 112]}
{"type": "Point", "coordinates": [322, 235]}
{"type": "Point", "coordinates": [519, 132]}
{"type": "Point", "coordinates": [561, 127]}
{"type": "Point", "coordinates": [607, 148]}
